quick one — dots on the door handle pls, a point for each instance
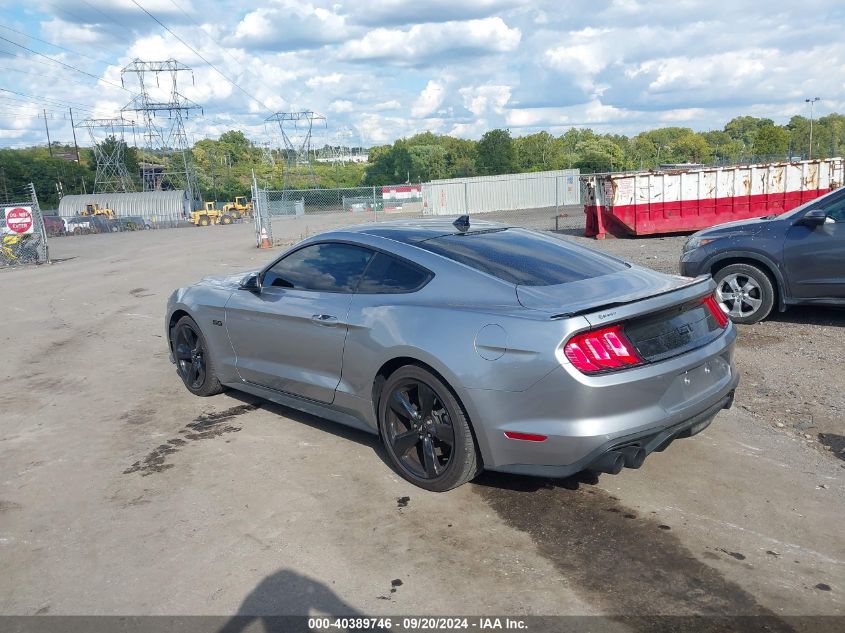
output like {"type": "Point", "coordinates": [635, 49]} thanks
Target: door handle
{"type": "Point", "coordinates": [324, 319]}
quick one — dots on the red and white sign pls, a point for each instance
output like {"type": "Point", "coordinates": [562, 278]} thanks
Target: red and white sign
{"type": "Point", "coordinates": [19, 220]}
{"type": "Point", "coordinates": [402, 192]}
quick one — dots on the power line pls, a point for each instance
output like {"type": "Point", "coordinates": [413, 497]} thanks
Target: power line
{"type": "Point", "coordinates": [74, 68]}
{"type": "Point", "coordinates": [222, 50]}
{"type": "Point", "coordinates": [198, 54]}
{"type": "Point", "coordinates": [61, 102]}
{"type": "Point", "coordinates": [32, 37]}
{"type": "Point", "coordinates": [30, 60]}
{"type": "Point", "coordinates": [105, 15]}
{"type": "Point", "coordinates": [23, 104]}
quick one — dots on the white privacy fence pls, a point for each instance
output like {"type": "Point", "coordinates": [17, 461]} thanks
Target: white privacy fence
{"type": "Point", "coordinates": [509, 192]}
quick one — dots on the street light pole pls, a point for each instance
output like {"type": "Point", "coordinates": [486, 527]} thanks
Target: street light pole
{"type": "Point", "coordinates": [811, 102]}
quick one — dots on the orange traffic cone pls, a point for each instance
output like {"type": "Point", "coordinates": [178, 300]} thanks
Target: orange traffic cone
{"type": "Point", "coordinates": [265, 241]}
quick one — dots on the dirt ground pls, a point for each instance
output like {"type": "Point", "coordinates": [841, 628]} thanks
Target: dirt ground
{"type": "Point", "coordinates": [121, 493]}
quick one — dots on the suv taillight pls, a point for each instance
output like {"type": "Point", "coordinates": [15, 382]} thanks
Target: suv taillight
{"type": "Point", "coordinates": [601, 350]}
{"type": "Point", "coordinates": [716, 310]}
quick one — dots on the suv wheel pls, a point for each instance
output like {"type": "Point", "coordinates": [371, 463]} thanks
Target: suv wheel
{"type": "Point", "coordinates": [745, 293]}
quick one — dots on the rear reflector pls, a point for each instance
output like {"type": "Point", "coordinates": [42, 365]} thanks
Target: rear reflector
{"type": "Point", "coordinates": [528, 437]}
{"type": "Point", "coordinates": [716, 310]}
{"type": "Point", "coordinates": [601, 350]}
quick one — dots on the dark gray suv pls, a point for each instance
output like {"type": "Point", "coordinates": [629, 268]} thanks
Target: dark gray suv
{"type": "Point", "coordinates": [797, 257]}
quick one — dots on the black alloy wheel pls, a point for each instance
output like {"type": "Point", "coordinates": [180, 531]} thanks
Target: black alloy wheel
{"type": "Point", "coordinates": [425, 431]}
{"type": "Point", "coordinates": [193, 360]}
{"type": "Point", "coordinates": [189, 353]}
{"type": "Point", "coordinates": [419, 430]}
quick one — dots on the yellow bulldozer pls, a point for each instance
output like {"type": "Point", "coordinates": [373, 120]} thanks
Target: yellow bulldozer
{"type": "Point", "coordinates": [240, 208]}
{"type": "Point", "coordinates": [211, 215]}
{"type": "Point", "coordinates": [94, 209]}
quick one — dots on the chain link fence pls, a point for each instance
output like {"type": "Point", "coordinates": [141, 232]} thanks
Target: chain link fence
{"type": "Point", "coordinates": [24, 236]}
{"type": "Point", "coordinates": [544, 201]}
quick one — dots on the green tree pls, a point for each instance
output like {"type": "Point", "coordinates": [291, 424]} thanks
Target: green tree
{"type": "Point", "coordinates": [538, 152]}
{"type": "Point", "coordinates": [389, 165]}
{"type": "Point", "coordinates": [496, 153]}
{"type": "Point", "coordinates": [598, 155]}
{"type": "Point", "coordinates": [460, 157]}
{"type": "Point", "coordinates": [428, 162]}
{"type": "Point", "coordinates": [691, 148]}
{"type": "Point", "coordinates": [744, 128]}
{"type": "Point", "coordinates": [770, 141]}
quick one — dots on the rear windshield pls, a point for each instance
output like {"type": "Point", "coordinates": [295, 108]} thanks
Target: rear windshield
{"type": "Point", "coordinates": [523, 257]}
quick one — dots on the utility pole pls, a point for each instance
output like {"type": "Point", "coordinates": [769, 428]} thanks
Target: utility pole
{"type": "Point", "coordinates": [78, 161]}
{"type": "Point", "coordinates": [811, 102]}
{"type": "Point", "coordinates": [46, 127]}
{"type": "Point", "coordinates": [5, 190]}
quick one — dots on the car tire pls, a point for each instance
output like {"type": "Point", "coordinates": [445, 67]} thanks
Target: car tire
{"type": "Point", "coordinates": [745, 293]}
{"type": "Point", "coordinates": [418, 442]}
{"type": "Point", "coordinates": [194, 361]}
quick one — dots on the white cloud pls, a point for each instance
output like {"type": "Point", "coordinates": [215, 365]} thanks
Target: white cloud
{"type": "Point", "coordinates": [399, 12]}
{"type": "Point", "coordinates": [291, 25]}
{"type": "Point", "coordinates": [342, 105]}
{"type": "Point", "coordinates": [481, 99]}
{"type": "Point", "coordinates": [70, 34]}
{"type": "Point", "coordinates": [323, 81]}
{"type": "Point", "coordinates": [423, 43]}
{"type": "Point", "coordinates": [429, 100]}
{"type": "Point", "coordinates": [393, 104]}
{"type": "Point", "coordinates": [396, 67]}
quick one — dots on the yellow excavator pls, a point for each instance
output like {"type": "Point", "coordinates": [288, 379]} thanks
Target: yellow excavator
{"type": "Point", "coordinates": [94, 209]}
{"type": "Point", "coordinates": [240, 208]}
{"type": "Point", "coordinates": [210, 215]}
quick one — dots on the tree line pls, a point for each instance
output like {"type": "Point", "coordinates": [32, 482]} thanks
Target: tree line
{"type": "Point", "coordinates": [225, 165]}
{"type": "Point", "coordinates": [429, 156]}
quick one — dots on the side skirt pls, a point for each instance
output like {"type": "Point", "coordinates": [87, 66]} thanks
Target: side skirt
{"type": "Point", "coordinates": [301, 404]}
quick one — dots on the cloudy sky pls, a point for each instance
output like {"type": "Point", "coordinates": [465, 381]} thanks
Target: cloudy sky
{"type": "Point", "coordinates": [381, 69]}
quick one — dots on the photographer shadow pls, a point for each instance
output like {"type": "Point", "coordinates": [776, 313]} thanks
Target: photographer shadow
{"type": "Point", "coordinates": [283, 602]}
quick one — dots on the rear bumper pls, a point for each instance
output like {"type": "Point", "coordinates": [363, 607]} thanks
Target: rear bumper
{"type": "Point", "coordinates": [650, 441]}
{"type": "Point", "coordinates": [584, 417]}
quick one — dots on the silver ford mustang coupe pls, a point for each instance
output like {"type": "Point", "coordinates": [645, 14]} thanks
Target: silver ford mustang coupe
{"type": "Point", "coordinates": [466, 346]}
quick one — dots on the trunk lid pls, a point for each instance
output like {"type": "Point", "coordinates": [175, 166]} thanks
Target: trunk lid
{"type": "Point", "coordinates": [597, 293]}
{"type": "Point", "coordinates": [661, 315]}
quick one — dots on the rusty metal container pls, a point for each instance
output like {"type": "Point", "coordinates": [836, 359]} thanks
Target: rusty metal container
{"type": "Point", "coordinates": [683, 200]}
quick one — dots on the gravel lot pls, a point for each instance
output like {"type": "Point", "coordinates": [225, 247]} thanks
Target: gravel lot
{"type": "Point", "coordinates": [120, 493]}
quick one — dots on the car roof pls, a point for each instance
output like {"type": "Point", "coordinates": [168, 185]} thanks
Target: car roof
{"type": "Point", "coordinates": [418, 230]}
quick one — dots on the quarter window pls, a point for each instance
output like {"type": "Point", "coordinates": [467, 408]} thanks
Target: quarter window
{"type": "Point", "coordinates": [388, 275]}
{"type": "Point", "coordinates": [329, 267]}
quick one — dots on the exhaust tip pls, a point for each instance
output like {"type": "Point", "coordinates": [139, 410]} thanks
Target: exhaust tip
{"type": "Point", "coordinates": [634, 456]}
{"type": "Point", "coordinates": [610, 463]}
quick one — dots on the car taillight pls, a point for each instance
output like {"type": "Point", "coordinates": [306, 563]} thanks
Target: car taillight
{"type": "Point", "coordinates": [601, 350]}
{"type": "Point", "coordinates": [716, 310]}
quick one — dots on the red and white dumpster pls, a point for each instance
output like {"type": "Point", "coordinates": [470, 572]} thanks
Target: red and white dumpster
{"type": "Point", "coordinates": [682, 200]}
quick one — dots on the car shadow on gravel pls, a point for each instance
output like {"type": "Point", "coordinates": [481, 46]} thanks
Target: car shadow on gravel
{"type": "Point", "coordinates": [835, 442]}
{"type": "Point", "coordinates": [809, 315]}
{"type": "Point", "coordinates": [623, 561]}
{"type": "Point", "coordinates": [316, 422]}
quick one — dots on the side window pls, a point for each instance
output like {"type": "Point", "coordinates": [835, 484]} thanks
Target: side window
{"type": "Point", "coordinates": [388, 275]}
{"type": "Point", "coordinates": [836, 210]}
{"type": "Point", "coordinates": [330, 267]}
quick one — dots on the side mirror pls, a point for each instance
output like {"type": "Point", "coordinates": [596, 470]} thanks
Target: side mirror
{"type": "Point", "coordinates": [252, 283]}
{"type": "Point", "coordinates": [813, 218]}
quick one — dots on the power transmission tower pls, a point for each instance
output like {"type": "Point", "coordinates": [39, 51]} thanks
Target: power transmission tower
{"type": "Point", "coordinates": [267, 157]}
{"type": "Point", "coordinates": [168, 140]}
{"type": "Point", "coordinates": [297, 142]}
{"type": "Point", "coordinates": [107, 137]}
